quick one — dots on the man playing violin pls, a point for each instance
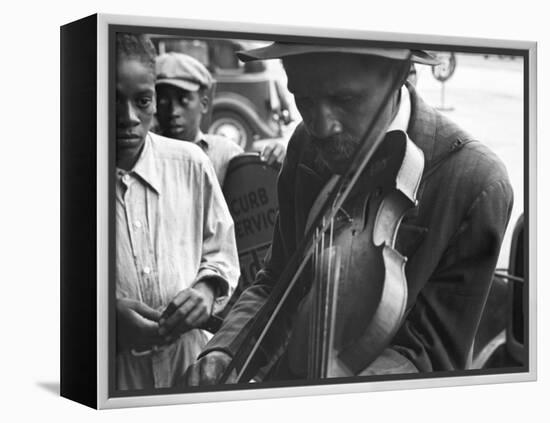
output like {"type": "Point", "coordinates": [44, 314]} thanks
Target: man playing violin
{"type": "Point", "coordinates": [451, 238]}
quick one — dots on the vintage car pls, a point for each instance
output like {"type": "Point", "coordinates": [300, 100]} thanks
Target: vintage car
{"type": "Point", "coordinates": [501, 337]}
{"type": "Point", "coordinates": [249, 100]}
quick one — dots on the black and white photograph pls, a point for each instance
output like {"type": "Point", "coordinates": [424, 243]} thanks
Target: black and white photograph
{"type": "Point", "coordinates": [275, 211]}
{"type": "Point", "coordinates": [313, 211]}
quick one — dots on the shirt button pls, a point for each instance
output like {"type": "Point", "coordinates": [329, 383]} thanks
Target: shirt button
{"type": "Point", "coordinates": [146, 270]}
{"type": "Point", "coordinates": [137, 224]}
{"type": "Point", "coordinates": [126, 178]}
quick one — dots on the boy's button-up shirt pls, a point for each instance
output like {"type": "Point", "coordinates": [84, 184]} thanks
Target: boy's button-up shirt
{"type": "Point", "coordinates": [173, 229]}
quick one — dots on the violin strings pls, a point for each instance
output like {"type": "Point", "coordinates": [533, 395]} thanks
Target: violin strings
{"type": "Point", "coordinates": [320, 306]}
{"type": "Point", "coordinates": [311, 346]}
{"type": "Point", "coordinates": [330, 289]}
{"type": "Point", "coordinates": [313, 312]}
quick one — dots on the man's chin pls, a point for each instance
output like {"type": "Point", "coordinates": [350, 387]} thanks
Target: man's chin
{"type": "Point", "coordinates": [178, 134]}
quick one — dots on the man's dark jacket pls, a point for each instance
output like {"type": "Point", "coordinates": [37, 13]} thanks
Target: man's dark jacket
{"type": "Point", "coordinates": [452, 240]}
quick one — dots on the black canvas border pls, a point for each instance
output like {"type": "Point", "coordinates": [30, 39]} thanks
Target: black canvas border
{"type": "Point", "coordinates": [78, 211]}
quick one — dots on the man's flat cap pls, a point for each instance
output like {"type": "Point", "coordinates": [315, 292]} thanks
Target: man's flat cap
{"type": "Point", "coordinates": [182, 71]}
{"type": "Point", "coordinates": [279, 50]}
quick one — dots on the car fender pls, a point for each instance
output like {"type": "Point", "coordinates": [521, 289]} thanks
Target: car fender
{"type": "Point", "coordinates": [243, 107]}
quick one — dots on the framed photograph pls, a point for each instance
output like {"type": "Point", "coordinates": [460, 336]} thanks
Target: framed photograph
{"type": "Point", "coordinates": [254, 211]}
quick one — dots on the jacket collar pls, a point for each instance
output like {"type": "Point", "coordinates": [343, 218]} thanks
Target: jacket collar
{"type": "Point", "coordinates": [433, 133]}
{"type": "Point", "coordinates": [422, 126]}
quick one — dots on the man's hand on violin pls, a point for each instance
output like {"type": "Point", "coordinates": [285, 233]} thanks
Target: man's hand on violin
{"type": "Point", "coordinates": [137, 324]}
{"type": "Point", "coordinates": [208, 369]}
{"type": "Point", "coordinates": [189, 309]}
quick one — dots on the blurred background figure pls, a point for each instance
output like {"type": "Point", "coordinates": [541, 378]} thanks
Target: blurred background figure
{"type": "Point", "coordinates": [247, 104]}
{"type": "Point", "coordinates": [183, 86]}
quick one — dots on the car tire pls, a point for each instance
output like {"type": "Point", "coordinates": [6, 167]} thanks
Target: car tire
{"type": "Point", "coordinates": [233, 126]}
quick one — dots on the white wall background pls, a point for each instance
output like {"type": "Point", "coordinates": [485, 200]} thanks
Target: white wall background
{"type": "Point", "coordinates": [29, 235]}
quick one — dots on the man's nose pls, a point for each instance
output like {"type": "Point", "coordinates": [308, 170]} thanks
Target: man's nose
{"type": "Point", "coordinates": [324, 122]}
{"type": "Point", "coordinates": [127, 114]}
{"type": "Point", "coordinates": [174, 107]}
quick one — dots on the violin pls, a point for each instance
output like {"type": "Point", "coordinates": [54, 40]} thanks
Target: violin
{"type": "Point", "coordinates": [357, 294]}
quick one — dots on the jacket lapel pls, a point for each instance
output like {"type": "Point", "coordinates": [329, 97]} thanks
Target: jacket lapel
{"type": "Point", "coordinates": [422, 126]}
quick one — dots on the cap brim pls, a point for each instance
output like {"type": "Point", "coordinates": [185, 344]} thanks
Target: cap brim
{"type": "Point", "coordinates": [281, 50]}
{"type": "Point", "coordinates": [180, 83]}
